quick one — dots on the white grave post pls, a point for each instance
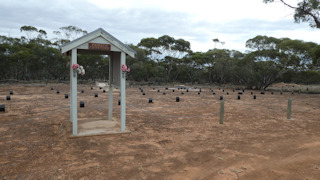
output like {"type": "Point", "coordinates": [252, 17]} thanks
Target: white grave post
{"type": "Point", "coordinates": [73, 105]}
{"type": "Point", "coordinates": [123, 92]}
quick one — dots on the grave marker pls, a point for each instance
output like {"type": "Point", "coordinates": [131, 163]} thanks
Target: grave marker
{"type": "Point", "coordinates": [82, 104]}
{"type": "Point", "coordinates": [2, 108]}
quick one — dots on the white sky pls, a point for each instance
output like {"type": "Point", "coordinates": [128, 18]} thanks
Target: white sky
{"type": "Point", "coordinates": [231, 21]}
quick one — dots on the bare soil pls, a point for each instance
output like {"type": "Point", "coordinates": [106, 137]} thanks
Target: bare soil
{"type": "Point", "coordinates": [168, 139]}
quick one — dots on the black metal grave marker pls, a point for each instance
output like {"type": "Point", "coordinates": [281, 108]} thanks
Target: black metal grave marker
{"type": "Point", "coordinates": [82, 104]}
{"type": "Point", "coordinates": [2, 108]}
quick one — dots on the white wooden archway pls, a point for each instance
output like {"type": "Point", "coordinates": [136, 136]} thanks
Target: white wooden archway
{"type": "Point", "coordinates": [99, 42]}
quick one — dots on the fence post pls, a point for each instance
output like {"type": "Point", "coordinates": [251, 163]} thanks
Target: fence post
{"type": "Point", "coordinates": [221, 111]}
{"type": "Point", "coordinates": [289, 109]}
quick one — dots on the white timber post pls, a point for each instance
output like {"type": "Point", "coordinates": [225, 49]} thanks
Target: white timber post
{"type": "Point", "coordinates": [110, 107]}
{"type": "Point", "coordinates": [123, 92]}
{"type": "Point", "coordinates": [71, 74]}
{"type": "Point", "coordinates": [73, 78]}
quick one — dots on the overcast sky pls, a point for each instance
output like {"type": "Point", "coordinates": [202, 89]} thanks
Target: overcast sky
{"type": "Point", "coordinates": [197, 21]}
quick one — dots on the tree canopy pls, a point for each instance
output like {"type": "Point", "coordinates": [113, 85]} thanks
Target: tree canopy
{"type": "Point", "coordinates": [305, 11]}
{"type": "Point", "coordinates": [164, 59]}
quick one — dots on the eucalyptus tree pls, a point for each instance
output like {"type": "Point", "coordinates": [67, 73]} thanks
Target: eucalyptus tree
{"type": "Point", "coordinates": [298, 55]}
{"type": "Point", "coordinates": [273, 57]}
{"type": "Point", "coordinates": [244, 72]}
{"type": "Point", "coordinates": [66, 34]}
{"type": "Point", "coordinates": [29, 30]}
{"type": "Point", "coordinates": [175, 53]}
{"type": "Point", "coordinates": [152, 45]}
{"type": "Point", "coordinates": [199, 71]}
{"type": "Point", "coordinates": [315, 58]}
{"type": "Point", "coordinates": [305, 11]}
{"type": "Point", "coordinates": [266, 58]}
{"type": "Point", "coordinates": [168, 50]}
{"type": "Point", "coordinates": [217, 64]}
{"type": "Point", "coordinates": [8, 47]}
{"type": "Point", "coordinates": [217, 41]}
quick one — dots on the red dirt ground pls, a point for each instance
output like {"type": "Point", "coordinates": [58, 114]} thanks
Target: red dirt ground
{"type": "Point", "coordinates": [168, 139]}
